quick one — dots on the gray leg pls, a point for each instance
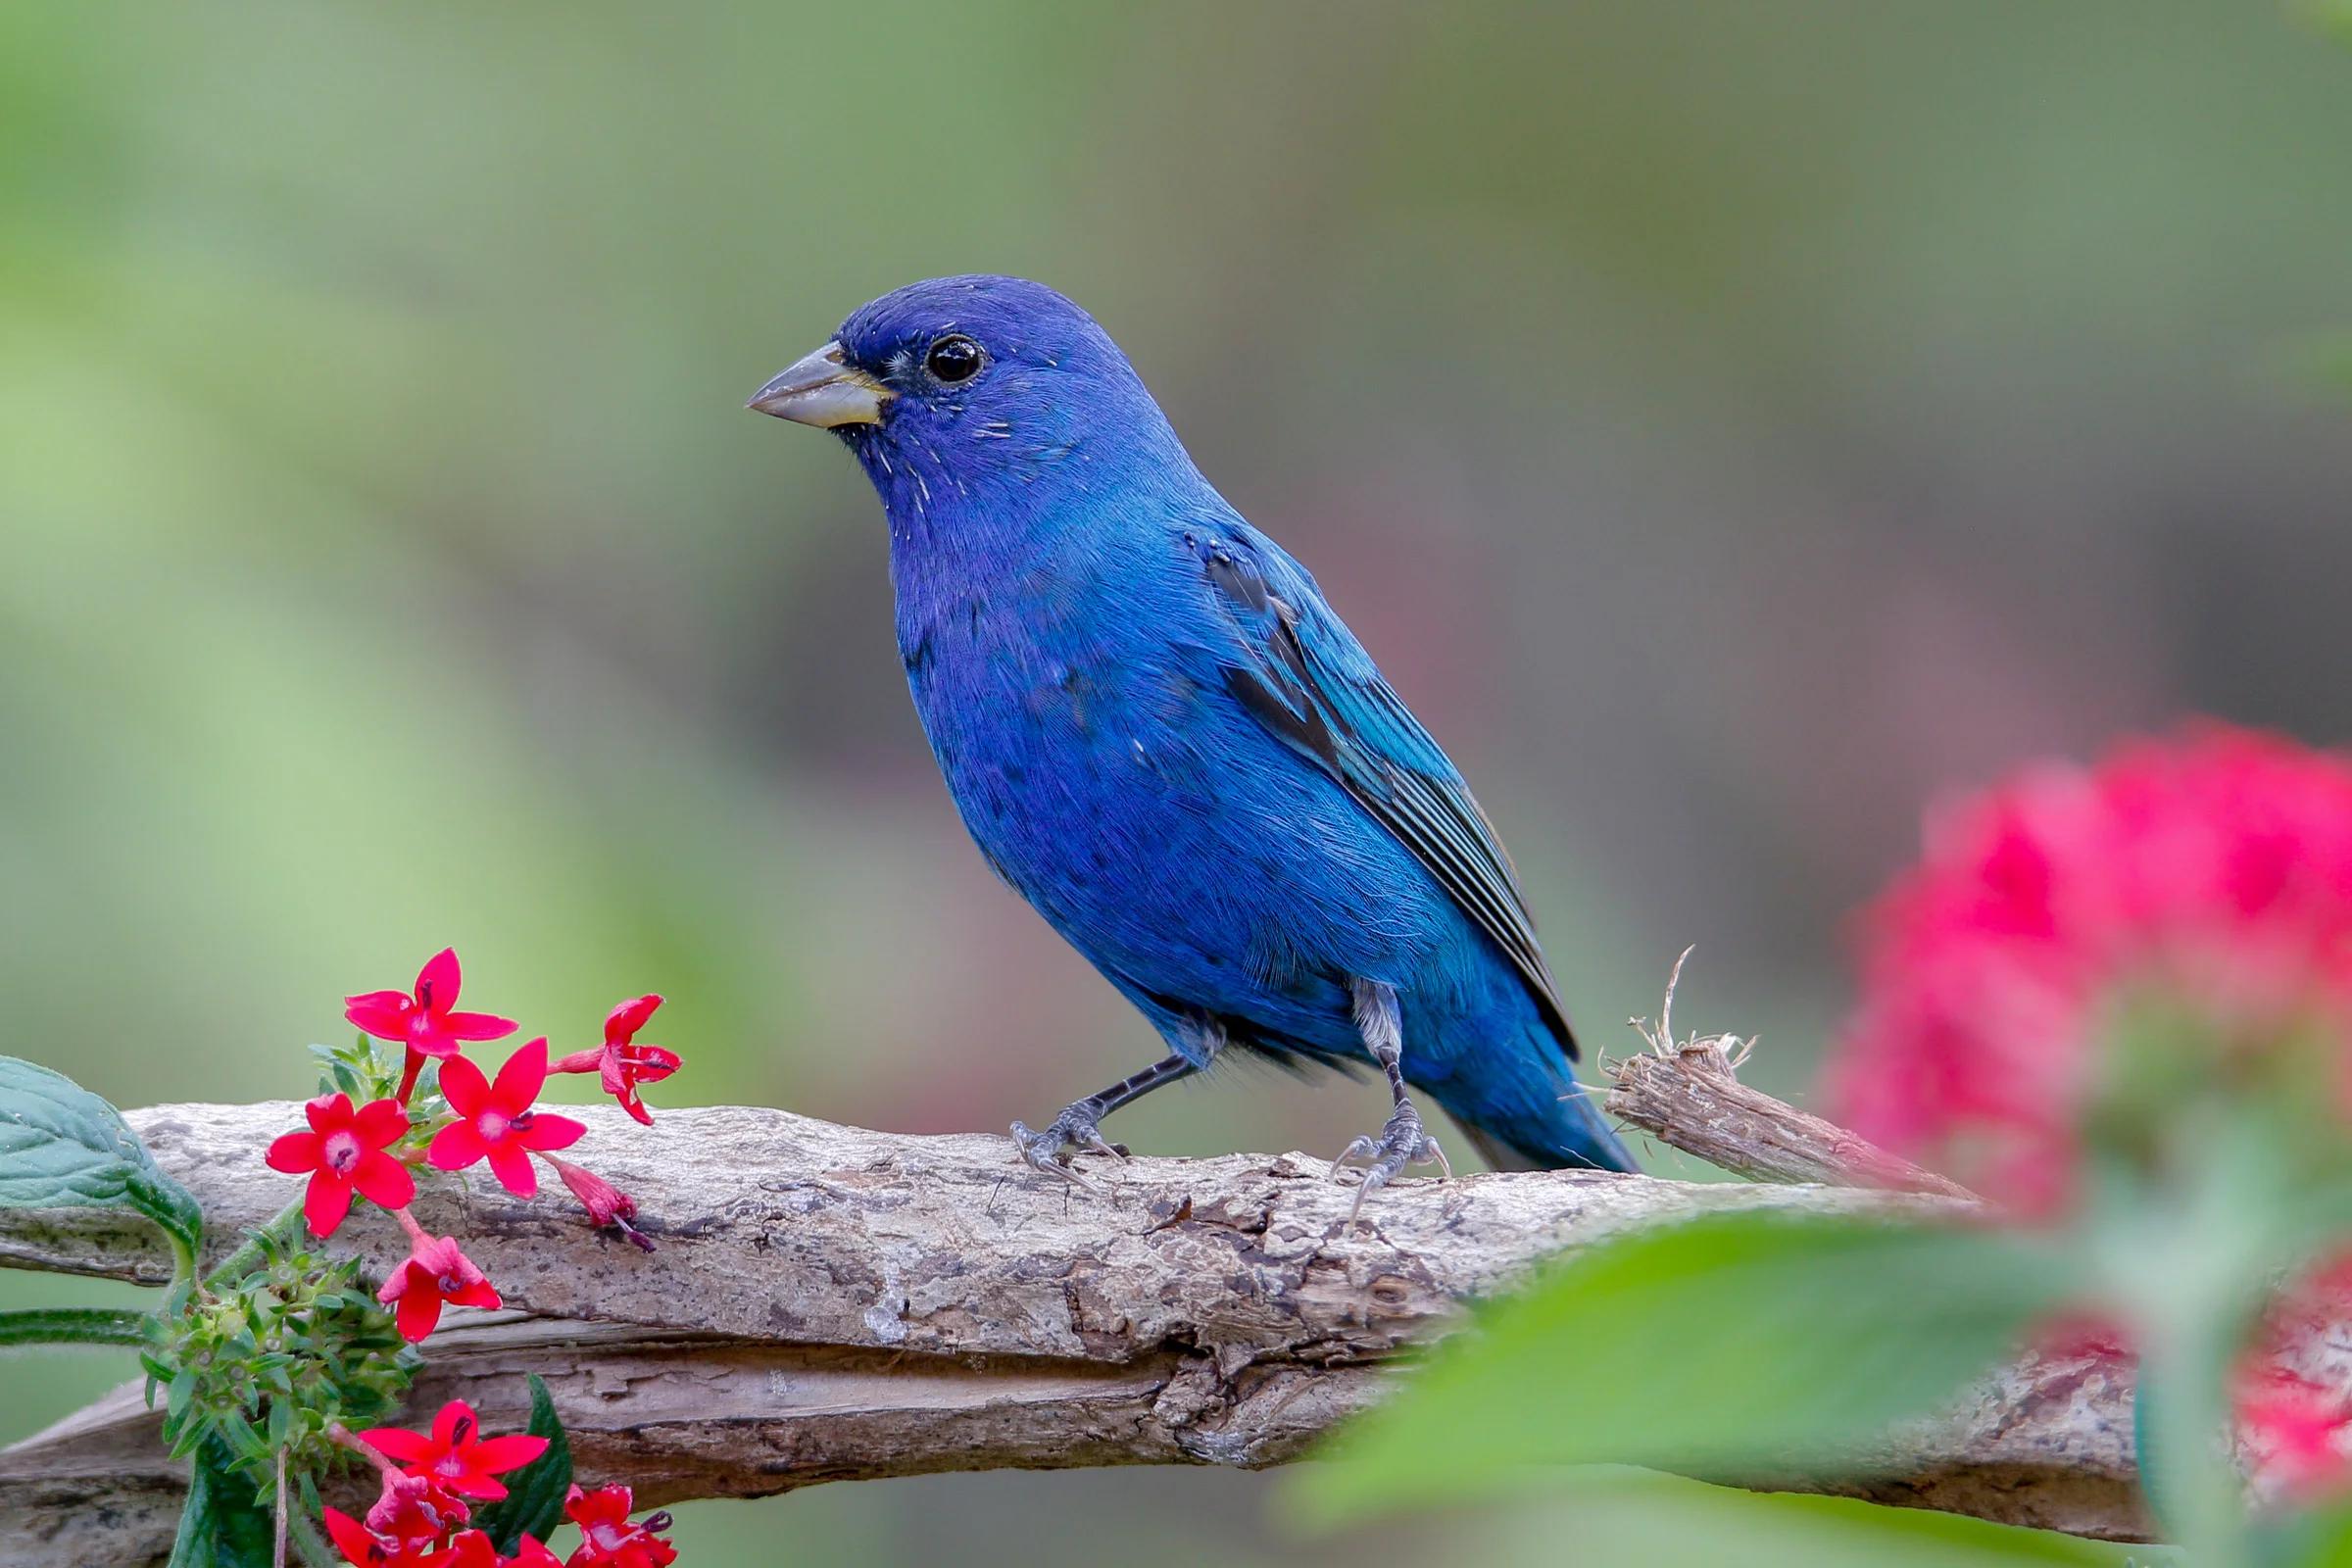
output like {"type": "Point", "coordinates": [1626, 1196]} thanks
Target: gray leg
{"type": "Point", "coordinates": [1080, 1124]}
{"type": "Point", "coordinates": [1401, 1142]}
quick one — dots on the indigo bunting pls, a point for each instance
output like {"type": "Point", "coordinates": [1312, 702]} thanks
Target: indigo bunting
{"type": "Point", "coordinates": [1164, 739]}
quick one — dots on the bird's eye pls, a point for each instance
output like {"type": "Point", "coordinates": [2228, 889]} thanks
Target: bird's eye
{"type": "Point", "coordinates": [953, 359]}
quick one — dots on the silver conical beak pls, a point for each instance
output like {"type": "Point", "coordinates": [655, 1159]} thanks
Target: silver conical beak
{"type": "Point", "coordinates": [824, 390]}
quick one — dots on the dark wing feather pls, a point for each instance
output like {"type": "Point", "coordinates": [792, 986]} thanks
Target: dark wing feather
{"type": "Point", "coordinates": [1305, 676]}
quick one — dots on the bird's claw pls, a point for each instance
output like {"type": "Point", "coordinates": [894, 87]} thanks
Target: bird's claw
{"type": "Point", "coordinates": [1401, 1142]}
{"type": "Point", "coordinates": [1049, 1148]}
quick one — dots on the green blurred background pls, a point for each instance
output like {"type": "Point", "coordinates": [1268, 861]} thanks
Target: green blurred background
{"type": "Point", "coordinates": [1728, 424]}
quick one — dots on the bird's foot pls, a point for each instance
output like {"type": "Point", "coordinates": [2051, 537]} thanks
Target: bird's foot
{"type": "Point", "coordinates": [1401, 1142]}
{"type": "Point", "coordinates": [1078, 1128]}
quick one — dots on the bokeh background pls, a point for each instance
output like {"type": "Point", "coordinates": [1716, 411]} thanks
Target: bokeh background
{"type": "Point", "coordinates": [1729, 425]}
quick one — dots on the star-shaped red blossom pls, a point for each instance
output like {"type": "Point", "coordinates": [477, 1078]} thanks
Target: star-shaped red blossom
{"type": "Point", "coordinates": [607, 1537]}
{"type": "Point", "coordinates": [496, 1121]}
{"type": "Point", "coordinates": [344, 1151]}
{"type": "Point", "coordinates": [623, 1063]}
{"type": "Point", "coordinates": [364, 1548]}
{"type": "Point", "coordinates": [436, 1271]}
{"type": "Point", "coordinates": [455, 1456]}
{"type": "Point", "coordinates": [425, 1021]}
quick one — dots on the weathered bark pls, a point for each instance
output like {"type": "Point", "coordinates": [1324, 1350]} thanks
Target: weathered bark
{"type": "Point", "coordinates": [1689, 1095]}
{"type": "Point", "coordinates": [829, 1303]}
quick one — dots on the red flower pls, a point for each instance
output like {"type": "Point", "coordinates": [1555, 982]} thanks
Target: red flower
{"type": "Point", "coordinates": [606, 1204]}
{"type": "Point", "coordinates": [531, 1552]}
{"type": "Point", "coordinates": [2212, 872]}
{"type": "Point", "coordinates": [473, 1549]}
{"type": "Point", "coordinates": [499, 1123]}
{"type": "Point", "coordinates": [363, 1548]}
{"type": "Point", "coordinates": [415, 1508]}
{"type": "Point", "coordinates": [422, 1020]}
{"type": "Point", "coordinates": [457, 1456]}
{"type": "Point", "coordinates": [624, 1062]}
{"type": "Point", "coordinates": [436, 1271]}
{"type": "Point", "coordinates": [607, 1537]}
{"type": "Point", "coordinates": [344, 1150]}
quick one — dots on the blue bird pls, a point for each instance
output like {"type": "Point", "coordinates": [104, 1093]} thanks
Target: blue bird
{"type": "Point", "coordinates": [1165, 740]}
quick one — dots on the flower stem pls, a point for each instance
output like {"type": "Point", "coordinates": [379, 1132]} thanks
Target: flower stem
{"type": "Point", "coordinates": [277, 1556]}
{"type": "Point", "coordinates": [342, 1437]}
{"type": "Point", "coordinates": [316, 1553]}
{"type": "Point", "coordinates": [408, 1223]}
{"type": "Point", "coordinates": [408, 1074]}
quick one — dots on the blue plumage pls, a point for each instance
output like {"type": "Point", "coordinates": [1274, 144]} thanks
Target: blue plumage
{"type": "Point", "coordinates": [1160, 734]}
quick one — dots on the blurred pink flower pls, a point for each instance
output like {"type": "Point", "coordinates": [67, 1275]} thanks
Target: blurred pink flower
{"type": "Point", "coordinates": [2293, 1429]}
{"type": "Point", "coordinates": [2212, 870]}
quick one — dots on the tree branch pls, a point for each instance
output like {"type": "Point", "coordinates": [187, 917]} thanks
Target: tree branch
{"type": "Point", "coordinates": [832, 1303]}
{"type": "Point", "coordinates": [1690, 1097]}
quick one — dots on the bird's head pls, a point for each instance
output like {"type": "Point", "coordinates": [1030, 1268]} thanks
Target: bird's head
{"type": "Point", "coordinates": [975, 388]}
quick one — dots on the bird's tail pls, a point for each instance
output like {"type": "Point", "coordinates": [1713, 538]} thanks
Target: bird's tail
{"type": "Point", "coordinates": [1570, 1136]}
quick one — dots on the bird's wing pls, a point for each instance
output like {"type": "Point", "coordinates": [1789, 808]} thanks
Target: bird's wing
{"type": "Point", "coordinates": [1301, 674]}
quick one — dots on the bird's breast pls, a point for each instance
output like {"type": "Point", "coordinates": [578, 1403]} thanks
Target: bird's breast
{"type": "Point", "coordinates": [1023, 699]}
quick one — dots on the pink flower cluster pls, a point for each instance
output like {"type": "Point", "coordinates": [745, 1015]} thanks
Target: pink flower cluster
{"type": "Point", "coordinates": [2212, 872]}
{"type": "Point", "coordinates": [2208, 875]}
{"type": "Point", "coordinates": [368, 1149]}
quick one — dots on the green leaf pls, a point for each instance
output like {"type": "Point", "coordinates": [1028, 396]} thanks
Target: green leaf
{"type": "Point", "coordinates": [1733, 1344]}
{"type": "Point", "coordinates": [221, 1526]}
{"type": "Point", "coordinates": [535, 1493]}
{"type": "Point", "coordinates": [1623, 1516]}
{"type": "Point", "coordinates": [73, 1325]}
{"type": "Point", "coordinates": [62, 1146]}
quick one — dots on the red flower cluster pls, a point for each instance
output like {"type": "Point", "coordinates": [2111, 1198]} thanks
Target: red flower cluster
{"type": "Point", "coordinates": [419, 1521]}
{"type": "Point", "coordinates": [2213, 872]}
{"type": "Point", "coordinates": [455, 1456]}
{"type": "Point", "coordinates": [369, 1150]}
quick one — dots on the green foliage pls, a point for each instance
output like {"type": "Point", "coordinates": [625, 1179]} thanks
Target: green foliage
{"type": "Point", "coordinates": [534, 1501]}
{"type": "Point", "coordinates": [1606, 1514]}
{"type": "Point", "coordinates": [267, 1361]}
{"type": "Point", "coordinates": [366, 1070]}
{"type": "Point", "coordinates": [220, 1526]}
{"type": "Point", "coordinates": [74, 1325]}
{"type": "Point", "coordinates": [62, 1146]}
{"type": "Point", "coordinates": [1736, 1341]}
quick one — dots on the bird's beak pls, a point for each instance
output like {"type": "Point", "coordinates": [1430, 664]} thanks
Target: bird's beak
{"type": "Point", "coordinates": [824, 390]}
